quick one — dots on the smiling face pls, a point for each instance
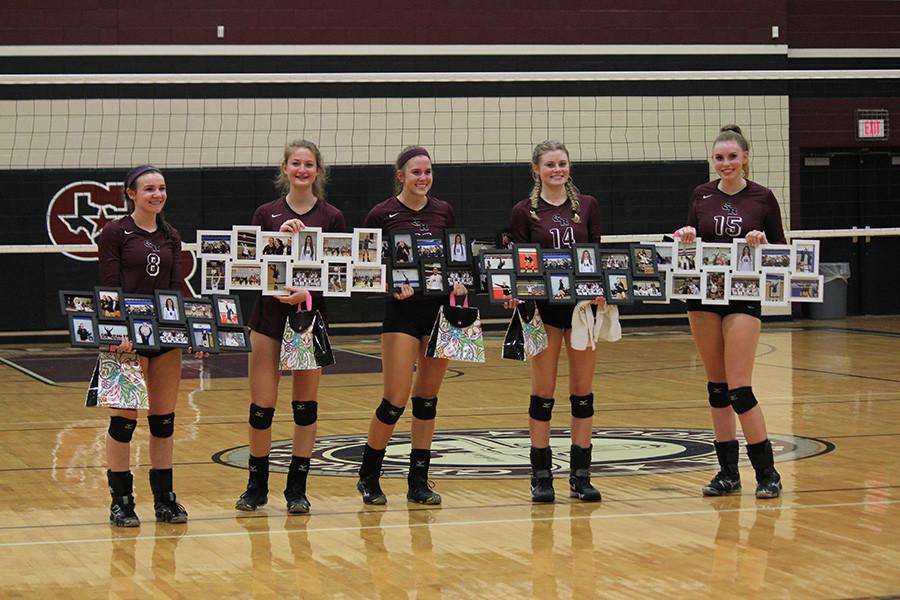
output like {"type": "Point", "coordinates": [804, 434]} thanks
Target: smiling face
{"type": "Point", "coordinates": [553, 168]}
{"type": "Point", "coordinates": [300, 169]}
{"type": "Point", "coordinates": [416, 176]}
{"type": "Point", "coordinates": [728, 160]}
{"type": "Point", "coordinates": [149, 193]}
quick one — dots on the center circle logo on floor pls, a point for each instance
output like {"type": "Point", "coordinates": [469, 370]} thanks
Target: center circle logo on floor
{"type": "Point", "coordinates": [503, 453]}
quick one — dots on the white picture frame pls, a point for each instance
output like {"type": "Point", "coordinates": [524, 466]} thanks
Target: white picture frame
{"type": "Point", "coordinates": [214, 275]}
{"type": "Point", "coordinates": [366, 247]}
{"type": "Point", "coordinates": [679, 282]}
{"type": "Point", "coordinates": [244, 275]}
{"type": "Point", "coordinates": [716, 254]}
{"type": "Point", "coordinates": [244, 242]}
{"type": "Point", "coordinates": [274, 275]}
{"type": "Point", "coordinates": [807, 288]}
{"type": "Point", "coordinates": [744, 259]}
{"type": "Point", "coordinates": [309, 246]}
{"type": "Point", "coordinates": [307, 276]}
{"type": "Point", "coordinates": [686, 257]}
{"type": "Point", "coordinates": [749, 286]}
{"type": "Point", "coordinates": [713, 289]}
{"type": "Point", "coordinates": [214, 243]}
{"type": "Point", "coordinates": [776, 287]}
{"type": "Point", "coordinates": [776, 256]}
{"type": "Point", "coordinates": [805, 257]}
{"type": "Point", "coordinates": [365, 277]}
{"type": "Point", "coordinates": [337, 278]}
{"type": "Point", "coordinates": [337, 247]}
{"type": "Point", "coordinates": [665, 251]}
{"type": "Point", "coordinates": [276, 244]}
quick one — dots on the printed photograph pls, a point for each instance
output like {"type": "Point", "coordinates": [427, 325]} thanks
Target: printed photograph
{"type": "Point", "coordinates": [457, 247]}
{"type": "Point", "coordinates": [686, 287]}
{"type": "Point", "coordinates": [244, 241]}
{"type": "Point", "coordinates": [531, 287]}
{"type": "Point", "coordinates": [806, 256]}
{"type": "Point", "coordinates": [664, 253]}
{"type": "Point", "coordinates": [109, 304]}
{"type": "Point", "coordinates": [615, 260]}
{"type": "Point", "coordinates": [143, 332]}
{"type": "Point", "coordinates": [77, 302]}
{"type": "Point", "coordinates": [461, 276]}
{"type": "Point", "coordinates": [213, 276]}
{"type": "Point", "coordinates": [228, 311]}
{"type": "Point", "coordinates": [232, 339]}
{"type": "Point", "coordinates": [337, 246]}
{"type": "Point", "coordinates": [214, 243]}
{"type": "Point", "coordinates": [712, 287]}
{"type": "Point", "coordinates": [433, 276]}
{"type": "Point", "coordinates": [557, 260]}
{"type": "Point", "coordinates": [168, 307]}
{"type": "Point", "coordinates": [648, 289]}
{"type": "Point", "coordinates": [589, 288]}
{"type": "Point", "coordinates": [203, 337]}
{"type": "Point", "coordinates": [743, 286]}
{"type": "Point", "coordinates": [173, 336]}
{"type": "Point", "coordinates": [619, 288]}
{"type": "Point", "coordinates": [775, 289]}
{"type": "Point", "coordinates": [777, 256]}
{"type": "Point", "coordinates": [366, 278]}
{"type": "Point", "coordinates": [716, 255]}
{"type": "Point", "coordinates": [309, 277]}
{"type": "Point", "coordinates": [309, 248]}
{"type": "Point", "coordinates": [244, 276]}
{"type": "Point", "coordinates": [497, 260]}
{"type": "Point", "coordinates": [501, 286]}
{"type": "Point", "coordinates": [686, 256]}
{"type": "Point", "coordinates": [562, 288]}
{"type": "Point", "coordinates": [111, 333]}
{"type": "Point", "coordinates": [403, 252]}
{"type": "Point", "coordinates": [527, 258]}
{"type": "Point", "coordinates": [643, 259]}
{"type": "Point", "coordinates": [141, 306]}
{"type": "Point", "coordinates": [82, 330]}
{"type": "Point", "coordinates": [337, 283]}
{"type": "Point", "coordinates": [401, 277]}
{"type": "Point", "coordinates": [276, 243]}
{"type": "Point", "coordinates": [746, 259]}
{"type": "Point", "coordinates": [275, 273]}
{"type": "Point", "coordinates": [430, 248]}
{"type": "Point", "coordinates": [807, 288]}
{"type": "Point", "coordinates": [587, 262]}
{"type": "Point", "coordinates": [367, 246]}
{"type": "Point", "coordinates": [198, 309]}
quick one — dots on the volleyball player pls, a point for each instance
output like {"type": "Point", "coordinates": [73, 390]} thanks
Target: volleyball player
{"type": "Point", "coordinates": [141, 253]}
{"type": "Point", "coordinates": [408, 320]}
{"type": "Point", "coordinates": [726, 336]}
{"type": "Point", "coordinates": [301, 178]}
{"type": "Point", "coordinates": [556, 215]}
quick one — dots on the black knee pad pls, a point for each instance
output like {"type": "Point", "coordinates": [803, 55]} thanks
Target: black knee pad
{"type": "Point", "coordinates": [582, 406]}
{"type": "Point", "coordinates": [306, 412]}
{"type": "Point", "coordinates": [718, 394]}
{"type": "Point", "coordinates": [541, 409]}
{"type": "Point", "coordinates": [260, 416]}
{"type": "Point", "coordinates": [424, 408]}
{"type": "Point", "coordinates": [742, 399]}
{"type": "Point", "coordinates": [121, 429]}
{"type": "Point", "coordinates": [387, 413]}
{"type": "Point", "coordinates": [162, 426]}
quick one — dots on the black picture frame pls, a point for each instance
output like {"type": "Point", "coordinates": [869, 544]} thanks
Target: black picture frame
{"type": "Point", "coordinates": [613, 277]}
{"type": "Point", "coordinates": [139, 339]}
{"type": "Point", "coordinates": [563, 294]}
{"type": "Point", "coordinates": [455, 256]}
{"type": "Point", "coordinates": [398, 257]}
{"type": "Point", "coordinates": [172, 316]}
{"type": "Point", "coordinates": [430, 249]}
{"type": "Point", "coordinates": [198, 308]}
{"type": "Point", "coordinates": [501, 280]}
{"type": "Point", "coordinates": [110, 333]}
{"type": "Point", "coordinates": [638, 283]}
{"type": "Point", "coordinates": [432, 285]}
{"type": "Point", "coordinates": [173, 336]}
{"type": "Point", "coordinates": [557, 259]}
{"type": "Point", "coordinates": [615, 259]}
{"type": "Point", "coordinates": [643, 260]}
{"type": "Point", "coordinates": [497, 260]}
{"type": "Point", "coordinates": [105, 311]}
{"type": "Point", "coordinates": [83, 331]}
{"type": "Point", "coordinates": [72, 302]}
{"type": "Point", "coordinates": [203, 335]}
{"type": "Point", "coordinates": [141, 305]}
{"type": "Point", "coordinates": [227, 310]}
{"type": "Point", "coordinates": [580, 267]}
{"type": "Point", "coordinates": [586, 287]}
{"type": "Point", "coordinates": [234, 339]}
{"type": "Point", "coordinates": [464, 275]}
{"type": "Point", "coordinates": [408, 274]}
{"type": "Point", "coordinates": [527, 260]}
{"type": "Point", "coordinates": [531, 287]}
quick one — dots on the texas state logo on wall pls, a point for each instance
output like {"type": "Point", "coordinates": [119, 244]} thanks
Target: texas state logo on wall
{"type": "Point", "coordinates": [79, 211]}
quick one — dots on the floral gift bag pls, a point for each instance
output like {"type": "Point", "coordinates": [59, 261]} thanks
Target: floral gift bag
{"type": "Point", "coordinates": [456, 334]}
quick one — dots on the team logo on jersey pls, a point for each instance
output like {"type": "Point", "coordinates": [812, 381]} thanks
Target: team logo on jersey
{"type": "Point", "coordinates": [78, 212]}
{"type": "Point", "coordinates": [729, 209]}
{"type": "Point", "coordinates": [504, 453]}
{"type": "Point", "coordinates": [564, 222]}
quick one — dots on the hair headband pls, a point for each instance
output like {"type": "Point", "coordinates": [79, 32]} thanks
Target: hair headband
{"type": "Point", "coordinates": [137, 172]}
{"type": "Point", "coordinates": [411, 153]}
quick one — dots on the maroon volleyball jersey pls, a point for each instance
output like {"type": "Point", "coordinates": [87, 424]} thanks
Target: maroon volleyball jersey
{"type": "Point", "coordinates": [269, 314]}
{"type": "Point", "coordinates": [139, 261]}
{"type": "Point", "coordinates": [555, 226]}
{"type": "Point", "coordinates": [720, 217]}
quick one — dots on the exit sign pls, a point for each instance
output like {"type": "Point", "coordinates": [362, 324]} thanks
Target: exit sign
{"type": "Point", "coordinates": [871, 129]}
{"type": "Point", "coordinates": [872, 124]}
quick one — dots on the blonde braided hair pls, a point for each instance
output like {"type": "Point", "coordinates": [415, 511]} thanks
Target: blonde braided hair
{"type": "Point", "coordinates": [571, 191]}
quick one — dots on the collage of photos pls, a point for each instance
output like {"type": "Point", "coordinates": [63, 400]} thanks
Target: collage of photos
{"type": "Point", "coordinates": [429, 265]}
{"type": "Point", "coordinates": [247, 258]}
{"type": "Point", "coordinates": [716, 273]}
{"type": "Point", "coordinates": [104, 317]}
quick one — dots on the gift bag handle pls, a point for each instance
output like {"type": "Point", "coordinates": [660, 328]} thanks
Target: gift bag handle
{"type": "Point", "coordinates": [465, 300]}
{"type": "Point", "coordinates": [307, 301]}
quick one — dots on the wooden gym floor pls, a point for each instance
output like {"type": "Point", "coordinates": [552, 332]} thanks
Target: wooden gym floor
{"type": "Point", "coordinates": [831, 392]}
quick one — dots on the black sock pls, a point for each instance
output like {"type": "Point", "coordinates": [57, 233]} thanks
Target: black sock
{"type": "Point", "coordinates": [371, 461]}
{"type": "Point", "coordinates": [419, 461]}
{"type": "Point", "coordinates": [259, 469]}
{"type": "Point", "coordinates": [160, 482]}
{"type": "Point", "coordinates": [298, 472]}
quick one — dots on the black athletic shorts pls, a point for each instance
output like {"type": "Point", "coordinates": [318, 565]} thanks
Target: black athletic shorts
{"type": "Point", "coordinates": [736, 307]}
{"type": "Point", "coordinates": [556, 315]}
{"type": "Point", "coordinates": [155, 353]}
{"type": "Point", "coordinates": [268, 315]}
{"type": "Point", "coordinates": [413, 316]}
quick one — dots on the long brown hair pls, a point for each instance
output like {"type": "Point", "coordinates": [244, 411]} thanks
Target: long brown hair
{"type": "Point", "coordinates": [571, 191]}
{"type": "Point", "coordinates": [318, 187]}
{"type": "Point", "coordinates": [732, 133]}
{"type": "Point", "coordinates": [131, 184]}
{"type": "Point", "coordinates": [404, 157]}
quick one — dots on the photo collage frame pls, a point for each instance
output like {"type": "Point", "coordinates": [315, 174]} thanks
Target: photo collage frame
{"type": "Point", "coordinates": [431, 265]}
{"type": "Point", "coordinates": [247, 258]}
{"type": "Point", "coordinates": [161, 321]}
